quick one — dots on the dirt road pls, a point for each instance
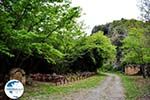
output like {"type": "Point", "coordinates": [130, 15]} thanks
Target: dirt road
{"type": "Point", "coordinates": [110, 89]}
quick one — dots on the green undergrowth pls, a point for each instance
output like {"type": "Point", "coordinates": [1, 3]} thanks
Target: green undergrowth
{"type": "Point", "coordinates": [135, 86]}
{"type": "Point", "coordinates": [43, 88]}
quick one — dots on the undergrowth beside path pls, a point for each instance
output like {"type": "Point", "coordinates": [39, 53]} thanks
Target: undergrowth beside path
{"type": "Point", "coordinates": [136, 87]}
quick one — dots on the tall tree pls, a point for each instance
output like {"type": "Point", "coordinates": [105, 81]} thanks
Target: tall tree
{"type": "Point", "coordinates": [136, 50]}
{"type": "Point", "coordinates": [34, 27]}
{"type": "Point", "coordinates": [91, 52]}
{"type": "Point", "coordinates": [144, 6]}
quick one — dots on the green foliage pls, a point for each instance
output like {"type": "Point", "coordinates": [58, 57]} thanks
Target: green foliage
{"type": "Point", "coordinates": [135, 48]}
{"type": "Point", "coordinates": [47, 30]}
{"type": "Point", "coordinates": [103, 44]}
{"type": "Point", "coordinates": [4, 49]}
{"type": "Point", "coordinates": [38, 28]}
{"type": "Point", "coordinates": [91, 52]}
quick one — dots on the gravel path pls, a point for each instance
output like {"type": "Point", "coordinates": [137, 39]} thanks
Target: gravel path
{"type": "Point", "coordinates": [110, 89]}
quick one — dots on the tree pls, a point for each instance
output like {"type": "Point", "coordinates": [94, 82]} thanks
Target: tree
{"type": "Point", "coordinates": [91, 52]}
{"type": "Point", "coordinates": [36, 29]}
{"type": "Point", "coordinates": [144, 6]}
{"type": "Point", "coordinates": [117, 31]}
{"type": "Point", "coordinates": [45, 33]}
{"type": "Point", "coordinates": [135, 49]}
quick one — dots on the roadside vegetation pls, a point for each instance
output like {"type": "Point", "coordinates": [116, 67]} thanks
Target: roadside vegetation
{"type": "Point", "coordinates": [136, 87]}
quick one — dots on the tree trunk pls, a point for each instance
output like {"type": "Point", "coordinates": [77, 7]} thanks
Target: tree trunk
{"type": "Point", "coordinates": [143, 70]}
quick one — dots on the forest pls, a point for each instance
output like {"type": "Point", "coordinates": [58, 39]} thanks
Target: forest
{"type": "Point", "coordinates": [44, 36]}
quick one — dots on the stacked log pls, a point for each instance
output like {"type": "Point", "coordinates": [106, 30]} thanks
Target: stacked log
{"type": "Point", "coordinates": [41, 77]}
{"type": "Point", "coordinates": [132, 69]}
{"type": "Point", "coordinates": [61, 79]}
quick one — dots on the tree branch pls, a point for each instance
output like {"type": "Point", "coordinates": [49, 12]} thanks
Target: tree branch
{"type": "Point", "coordinates": [58, 27]}
{"type": "Point", "coordinates": [21, 16]}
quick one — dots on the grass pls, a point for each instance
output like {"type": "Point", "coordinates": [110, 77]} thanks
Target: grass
{"type": "Point", "coordinates": [135, 86]}
{"type": "Point", "coordinates": [42, 88]}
